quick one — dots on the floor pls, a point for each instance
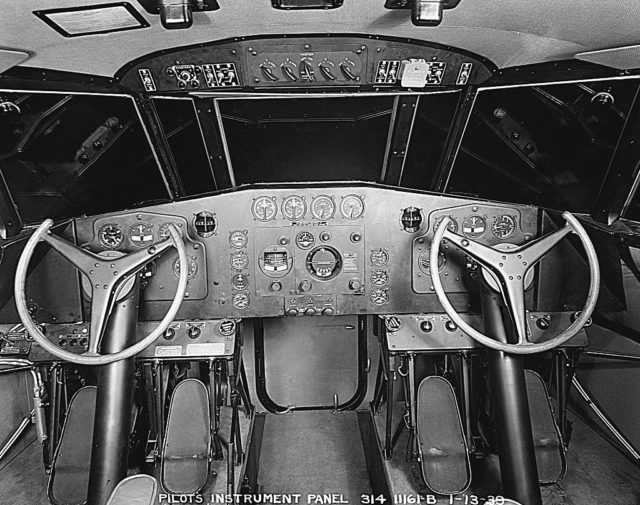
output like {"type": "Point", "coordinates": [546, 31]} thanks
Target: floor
{"type": "Point", "coordinates": [321, 452]}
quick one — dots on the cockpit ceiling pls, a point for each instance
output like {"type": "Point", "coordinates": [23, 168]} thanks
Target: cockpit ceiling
{"type": "Point", "coordinates": [507, 32]}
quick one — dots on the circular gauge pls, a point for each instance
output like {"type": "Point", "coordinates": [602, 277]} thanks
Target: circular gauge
{"type": "Point", "coordinates": [294, 207]}
{"type": "Point", "coordinates": [111, 236]}
{"type": "Point", "coordinates": [239, 260]}
{"type": "Point", "coordinates": [240, 282]}
{"type": "Point", "coordinates": [192, 266]}
{"type": "Point", "coordinates": [264, 208]}
{"type": "Point", "coordinates": [474, 226]}
{"type": "Point", "coordinates": [352, 207]}
{"type": "Point", "coordinates": [323, 207]}
{"type": "Point", "coordinates": [379, 277]}
{"type": "Point", "coordinates": [141, 235]}
{"type": "Point", "coordinates": [305, 240]}
{"type": "Point", "coordinates": [424, 261]}
{"type": "Point", "coordinates": [238, 238]}
{"type": "Point", "coordinates": [453, 224]}
{"type": "Point", "coordinates": [324, 263]}
{"type": "Point", "coordinates": [163, 231]}
{"type": "Point", "coordinates": [241, 300]}
{"type": "Point", "coordinates": [379, 296]}
{"type": "Point", "coordinates": [379, 257]}
{"type": "Point", "coordinates": [503, 226]}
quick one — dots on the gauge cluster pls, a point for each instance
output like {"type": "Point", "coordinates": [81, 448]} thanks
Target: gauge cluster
{"type": "Point", "coordinates": [317, 250]}
{"type": "Point", "coordinates": [487, 224]}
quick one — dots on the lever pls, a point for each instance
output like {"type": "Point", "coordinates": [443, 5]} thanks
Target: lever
{"type": "Point", "coordinates": [346, 70]}
{"type": "Point", "coordinates": [268, 73]}
{"type": "Point", "coordinates": [288, 72]}
{"type": "Point", "coordinates": [326, 72]}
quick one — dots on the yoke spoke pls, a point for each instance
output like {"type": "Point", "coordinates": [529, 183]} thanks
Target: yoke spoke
{"type": "Point", "coordinates": [533, 252]}
{"type": "Point", "coordinates": [83, 260]}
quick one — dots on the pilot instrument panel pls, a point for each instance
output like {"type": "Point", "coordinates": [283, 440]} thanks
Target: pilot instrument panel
{"type": "Point", "coordinates": [308, 251]}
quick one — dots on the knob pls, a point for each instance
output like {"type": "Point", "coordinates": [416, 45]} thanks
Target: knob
{"type": "Point", "coordinates": [288, 72]}
{"type": "Point", "coordinates": [292, 312]}
{"type": "Point", "coordinates": [73, 342]}
{"type": "Point", "coordinates": [450, 326]}
{"type": "Point", "coordinates": [194, 332]}
{"type": "Point", "coordinates": [325, 70]}
{"type": "Point", "coordinates": [84, 342]}
{"type": "Point", "coordinates": [276, 286]}
{"type": "Point", "coordinates": [355, 284]}
{"type": "Point", "coordinates": [542, 323]}
{"type": "Point", "coordinates": [325, 236]}
{"type": "Point", "coordinates": [426, 326]}
{"type": "Point", "coordinates": [356, 237]}
{"type": "Point", "coordinates": [310, 312]}
{"type": "Point", "coordinates": [328, 311]}
{"type": "Point", "coordinates": [348, 72]}
{"type": "Point", "coordinates": [305, 286]}
{"type": "Point", "coordinates": [169, 333]}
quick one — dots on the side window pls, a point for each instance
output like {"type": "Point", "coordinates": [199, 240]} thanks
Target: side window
{"type": "Point", "coordinates": [63, 155]}
{"type": "Point", "coordinates": [544, 145]}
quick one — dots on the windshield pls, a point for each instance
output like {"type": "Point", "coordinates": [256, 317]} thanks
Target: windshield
{"type": "Point", "coordinates": [64, 155]}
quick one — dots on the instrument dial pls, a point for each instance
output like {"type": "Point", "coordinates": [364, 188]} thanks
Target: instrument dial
{"type": "Point", "coordinates": [141, 235]}
{"type": "Point", "coordinates": [379, 296]}
{"type": "Point", "coordinates": [379, 277]}
{"type": "Point", "coordinates": [192, 267]}
{"type": "Point", "coordinates": [238, 238]}
{"type": "Point", "coordinates": [379, 257]}
{"type": "Point", "coordinates": [241, 300]}
{"type": "Point", "coordinates": [474, 226]}
{"type": "Point", "coordinates": [240, 282]}
{"type": "Point", "coordinates": [424, 261]}
{"type": "Point", "coordinates": [264, 208]}
{"type": "Point", "coordinates": [294, 207]}
{"type": "Point", "coordinates": [239, 260]}
{"type": "Point", "coordinates": [453, 224]}
{"type": "Point", "coordinates": [305, 240]}
{"type": "Point", "coordinates": [111, 236]}
{"type": "Point", "coordinates": [352, 207]}
{"type": "Point", "coordinates": [503, 226]}
{"type": "Point", "coordinates": [323, 207]}
{"type": "Point", "coordinates": [163, 231]}
{"type": "Point", "coordinates": [324, 263]}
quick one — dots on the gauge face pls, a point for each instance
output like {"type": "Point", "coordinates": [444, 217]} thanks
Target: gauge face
{"type": "Point", "coordinates": [324, 263]}
{"type": "Point", "coordinates": [239, 260]}
{"type": "Point", "coordinates": [503, 226]}
{"type": "Point", "coordinates": [264, 208]}
{"type": "Point", "coordinates": [238, 238]}
{"type": "Point", "coordinates": [294, 207]}
{"type": "Point", "coordinates": [352, 207]}
{"type": "Point", "coordinates": [474, 226]}
{"type": "Point", "coordinates": [141, 235]}
{"type": "Point", "coordinates": [323, 207]}
{"type": "Point", "coordinates": [240, 282]}
{"type": "Point", "coordinates": [111, 236]}
{"type": "Point", "coordinates": [192, 265]}
{"type": "Point", "coordinates": [305, 240]}
{"type": "Point", "coordinates": [241, 300]}
{"type": "Point", "coordinates": [379, 277]}
{"type": "Point", "coordinates": [275, 261]}
{"type": "Point", "coordinates": [379, 257]}
{"type": "Point", "coordinates": [379, 296]}
{"type": "Point", "coordinates": [163, 231]}
{"type": "Point", "coordinates": [453, 224]}
{"type": "Point", "coordinates": [424, 261]}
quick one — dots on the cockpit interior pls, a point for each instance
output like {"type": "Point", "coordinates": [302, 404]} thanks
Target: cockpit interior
{"type": "Point", "coordinates": [319, 252]}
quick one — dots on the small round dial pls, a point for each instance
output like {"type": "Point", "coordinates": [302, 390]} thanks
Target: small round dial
{"type": "Point", "coordinates": [192, 266]}
{"type": "Point", "coordinates": [379, 296]}
{"type": "Point", "coordinates": [305, 240]}
{"type": "Point", "coordinates": [238, 238]}
{"type": "Point", "coordinates": [323, 207]}
{"type": "Point", "coordinates": [264, 208]}
{"type": "Point", "coordinates": [453, 224]}
{"type": "Point", "coordinates": [424, 261]}
{"type": "Point", "coordinates": [141, 235]}
{"type": "Point", "coordinates": [240, 282]}
{"type": "Point", "coordinates": [294, 207]}
{"type": "Point", "coordinates": [111, 236]}
{"type": "Point", "coordinates": [503, 226]}
{"type": "Point", "coordinates": [163, 231]}
{"type": "Point", "coordinates": [239, 260]}
{"type": "Point", "coordinates": [379, 277]}
{"type": "Point", "coordinates": [379, 257]}
{"type": "Point", "coordinates": [352, 206]}
{"type": "Point", "coordinates": [474, 226]}
{"type": "Point", "coordinates": [241, 300]}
